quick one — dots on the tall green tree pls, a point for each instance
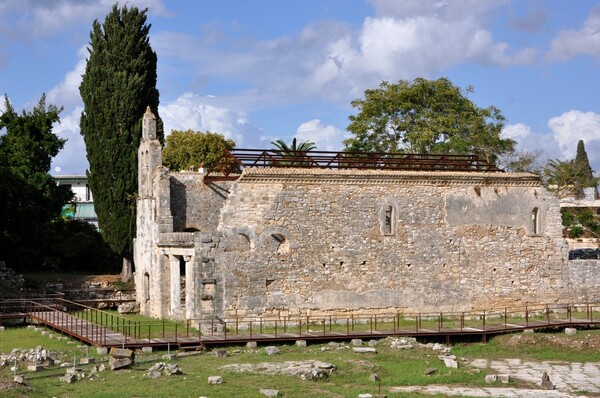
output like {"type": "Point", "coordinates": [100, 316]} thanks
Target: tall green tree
{"type": "Point", "coordinates": [190, 150]}
{"type": "Point", "coordinates": [118, 83]}
{"type": "Point", "coordinates": [30, 199]}
{"type": "Point", "coordinates": [583, 165]}
{"type": "Point", "coordinates": [426, 116]}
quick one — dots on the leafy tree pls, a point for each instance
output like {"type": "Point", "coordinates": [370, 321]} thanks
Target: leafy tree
{"type": "Point", "coordinates": [583, 164]}
{"type": "Point", "coordinates": [30, 199]}
{"type": "Point", "coordinates": [426, 116]}
{"type": "Point", "coordinates": [522, 162]}
{"type": "Point", "coordinates": [118, 83]}
{"type": "Point", "coordinates": [190, 150]}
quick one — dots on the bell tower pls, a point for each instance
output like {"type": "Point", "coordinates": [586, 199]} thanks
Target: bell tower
{"type": "Point", "coordinates": [149, 155]}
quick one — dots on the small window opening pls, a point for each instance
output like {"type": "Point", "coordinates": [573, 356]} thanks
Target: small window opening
{"type": "Point", "coordinates": [146, 287]}
{"type": "Point", "coordinates": [387, 221]}
{"type": "Point", "coordinates": [535, 221]}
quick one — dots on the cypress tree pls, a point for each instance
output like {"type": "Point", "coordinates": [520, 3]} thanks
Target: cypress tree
{"type": "Point", "coordinates": [118, 83]}
{"type": "Point", "coordinates": [582, 164]}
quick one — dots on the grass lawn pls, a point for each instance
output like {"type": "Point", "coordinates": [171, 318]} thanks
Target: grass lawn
{"type": "Point", "coordinates": [352, 375]}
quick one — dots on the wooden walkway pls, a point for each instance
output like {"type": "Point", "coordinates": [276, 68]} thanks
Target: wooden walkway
{"type": "Point", "coordinates": [102, 329]}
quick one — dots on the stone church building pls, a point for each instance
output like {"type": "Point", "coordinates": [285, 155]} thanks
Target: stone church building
{"type": "Point", "coordinates": [281, 241]}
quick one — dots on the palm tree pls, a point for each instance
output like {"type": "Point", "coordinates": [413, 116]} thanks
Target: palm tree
{"type": "Point", "coordinates": [566, 178]}
{"type": "Point", "coordinates": [295, 152]}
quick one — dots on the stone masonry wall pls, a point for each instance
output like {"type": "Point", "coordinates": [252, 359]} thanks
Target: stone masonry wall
{"type": "Point", "coordinates": [318, 241]}
{"type": "Point", "coordinates": [195, 205]}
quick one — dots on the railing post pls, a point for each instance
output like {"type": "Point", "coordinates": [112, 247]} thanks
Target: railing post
{"type": "Point", "coordinates": [547, 314]}
{"type": "Point", "coordinates": [250, 325]}
{"type": "Point", "coordinates": [526, 316]}
{"type": "Point", "coordinates": [483, 326]}
{"type": "Point", "coordinates": [323, 327]}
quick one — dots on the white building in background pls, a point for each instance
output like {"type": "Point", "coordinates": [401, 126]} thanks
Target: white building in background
{"type": "Point", "coordinates": [82, 207]}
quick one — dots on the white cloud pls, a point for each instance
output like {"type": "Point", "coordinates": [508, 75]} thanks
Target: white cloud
{"type": "Point", "coordinates": [568, 44]}
{"type": "Point", "coordinates": [572, 126]}
{"type": "Point", "coordinates": [336, 62]}
{"type": "Point", "coordinates": [325, 137]}
{"type": "Point", "coordinates": [516, 131]}
{"type": "Point", "coordinates": [42, 18]}
{"type": "Point", "coordinates": [66, 93]}
{"type": "Point", "coordinates": [191, 111]}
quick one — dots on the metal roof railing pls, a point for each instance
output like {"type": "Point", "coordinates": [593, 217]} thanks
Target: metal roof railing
{"type": "Point", "coordinates": [232, 162]}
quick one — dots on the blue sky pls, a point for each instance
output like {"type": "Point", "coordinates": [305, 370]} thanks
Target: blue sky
{"type": "Point", "coordinates": [260, 70]}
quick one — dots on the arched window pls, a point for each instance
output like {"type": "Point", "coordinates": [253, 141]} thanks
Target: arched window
{"type": "Point", "coordinates": [387, 220]}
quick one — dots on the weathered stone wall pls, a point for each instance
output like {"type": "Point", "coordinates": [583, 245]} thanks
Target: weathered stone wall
{"type": "Point", "coordinates": [306, 241]}
{"type": "Point", "coordinates": [315, 242]}
{"type": "Point", "coordinates": [196, 206]}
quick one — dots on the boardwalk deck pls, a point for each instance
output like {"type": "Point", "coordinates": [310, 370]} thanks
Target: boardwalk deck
{"type": "Point", "coordinates": [98, 328]}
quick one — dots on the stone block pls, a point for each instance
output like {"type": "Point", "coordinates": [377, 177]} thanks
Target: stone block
{"type": "Point", "coordinates": [268, 392]}
{"type": "Point", "coordinates": [121, 353]}
{"type": "Point", "coordinates": [119, 363]}
{"type": "Point", "coordinates": [570, 331]}
{"type": "Point", "coordinates": [34, 368]}
{"type": "Point", "coordinates": [215, 380]}
{"type": "Point", "coordinates": [271, 350]}
{"type": "Point", "coordinates": [168, 357]}
{"type": "Point", "coordinates": [2, 328]}
{"type": "Point", "coordinates": [68, 378]}
{"type": "Point", "coordinates": [356, 342]}
{"type": "Point", "coordinates": [19, 379]}
{"type": "Point", "coordinates": [365, 350]}
{"type": "Point", "coordinates": [489, 379]}
{"type": "Point", "coordinates": [301, 343]}
{"type": "Point", "coordinates": [153, 374]}
{"type": "Point", "coordinates": [220, 353]}
{"type": "Point", "coordinates": [251, 344]}
{"type": "Point", "coordinates": [146, 350]}
{"type": "Point", "coordinates": [504, 379]}
{"type": "Point", "coordinates": [87, 360]}
{"type": "Point", "coordinates": [102, 350]}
